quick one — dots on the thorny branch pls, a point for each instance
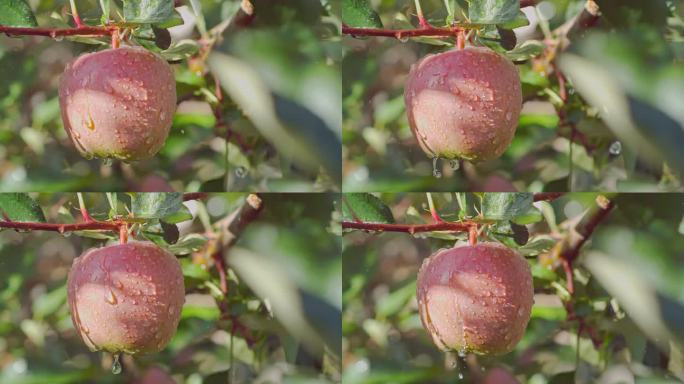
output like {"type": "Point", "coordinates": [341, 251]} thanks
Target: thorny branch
{"type": "Point", "coordinates": [439, 224]}
{"type": "Point", "coordinates": [229, 230]}
{"type": "Point", "coordinates": [570, 254]}
{"type": "Point", "coordinates": [88, 223]}
{"type": "Point", "coordinates": [84, 30]}
{"type": "Point", "coordinates": [403, 33]}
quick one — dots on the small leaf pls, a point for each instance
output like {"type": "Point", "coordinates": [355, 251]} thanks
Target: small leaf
{"type": "Point", "coordinates": [520, 233]}
{"type": "Point", "coordinates": [526, 51]}
{"type": "Point", "coordinates": [365, 207]}
{"type": "Point", "coordinates": [392, 303]}
{"type": "Point", "coordinates": [505, 206]}
{"type": "Point", "coordinates": [16, 13]}
{"type": "Point", "coordinates": [508, 39]}
{"type": "Point", "coordinates": [171, 232]}
{"type": "Point", "coordinates": [160, 205]}
{"type": "Point", "coordinates": [148, 11]}
{"type": "Point", "coordinates": [360, 14]}
{"type": "Point", "coordinates": [493, 11]}
{"type": "Point", "coordinates": [20, 207]}
{"type": "Point", "coordinates": [181, 50]}
{"type": "Point", "coordinates": [188, 244]}
{"type": "Point", "coordinates": [162, 38]}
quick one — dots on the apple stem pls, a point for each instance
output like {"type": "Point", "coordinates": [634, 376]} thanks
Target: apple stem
{"type": "Point", "coordinates": [123, 233]}
{"type": "Point", "coordinates": [460, 40]}
{"type": "Point", "coordinates": [472, 234]}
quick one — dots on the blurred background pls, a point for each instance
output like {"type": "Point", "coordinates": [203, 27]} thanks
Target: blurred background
{"type": "Point", "coordinates": [628, 292]}
{"type": "Point", "coordinates": [284, 287]}
{"type": "Point", "coordinates": [622, 128]}
{"type": "Point", "coordinates": [288, 55]}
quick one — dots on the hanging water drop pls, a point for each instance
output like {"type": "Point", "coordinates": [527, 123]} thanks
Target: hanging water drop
{"type": "Point", "coordinates": [460, 375]}
{"type": "Point", "coordinates": [615, 148]}
{"type": "Point", "coordinates": [436, 172]}
{"type": "Point", "coordinates": [240, 172]}
{"type": "Point", "coordinates": [403, 38]}
{"type": "Point", "coordinates": [116, 365]}
{"type": "Point", "coordinates": [107, 162]}
{"type": "Point", "coordinates": [454, 164]}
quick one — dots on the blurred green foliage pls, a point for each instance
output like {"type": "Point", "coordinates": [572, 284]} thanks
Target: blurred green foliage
{"type": "Point", "coordinates": [624, 86]}
{"type": "Point", "coordinates": [288, 258]}
{"type": "Point", "coordinates": [627, 291]}
{"type": "Point", "coordinates": [292, 50]}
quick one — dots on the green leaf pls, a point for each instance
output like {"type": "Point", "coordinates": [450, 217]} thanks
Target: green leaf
{"type": "Point", "coordinates": [365, 207]}
{"type": "Point", "coordinates": [266, 278]}
{"type": "Point", "coordinates": [48, 303]}
{"type": "Point", "coordinates": [16, 13]}
{"type": "Point", "coordinates": [505, 206]}
{"type": "Point", "coordinates": [180, 50]}
{"type": "Point", "coordinates": [525, 51]}
{"type": "Point", "coordinates": [658, 316]}
{"type": "Point", "coordinates": [519, 21]}
{"type": "Point", "coordinates": [160, 205]}
{"type": "Point", "coordinates": [493, 11]}
{"type": "Point", "coordinates": [392, 303]}
{"type": "Point", "coordinates": [296, 133]}
{"type": "Point", "coordinates": [188, 244]}
{"type": "Point", "coordinates": [148, 11]}
{"type": "Point", "coordinates": [360, 14]}
{"type": "Point", "coordinates": [20, 207]}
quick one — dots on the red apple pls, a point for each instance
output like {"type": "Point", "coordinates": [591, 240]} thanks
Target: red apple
{"type": "Point", "coordinates": [475, 298]}
{"type": "Point", "coordinates": [126, 298]}
{"type": "Point", "coordinates": [118, 103]}
{"type": "Point", "coordinates": [464, 103]}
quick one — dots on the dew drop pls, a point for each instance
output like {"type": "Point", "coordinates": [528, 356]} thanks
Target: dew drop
{"type": "Point", "coordinates": [403, 38]}
{"type": "Point", "coordinates": [435, 168]}
{"type": "Point", "coordinates": [454, 164]}
{"type": "Point", "coordinates": [116, 365]}
{"type": "Point", "coordinates": [615, 148]}
{"type": "Point", "coordinates": [240, 172]}
{"type": "Point", "coordinates": [107, 162]}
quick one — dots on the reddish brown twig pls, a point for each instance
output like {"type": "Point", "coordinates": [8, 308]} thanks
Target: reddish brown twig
{"type": "Point", "coordinates": [605, 206]}
{"type": "Point", "coordinates": [568, 257]}
{"type": "Point", "coordinates": [403, 33]}
{"type": "Point", "coordinates": [195, 196]}
{"type": "Point", "coordinates": [547, 196]}
{"type": "Point", "coordinates": [62, 228]}
{"type": "Point", "coordinates": [409, 228]}
{"type": "Point", "coordinates": [85, 30]}
{"type": "Point", "coordinates": [230, 229]}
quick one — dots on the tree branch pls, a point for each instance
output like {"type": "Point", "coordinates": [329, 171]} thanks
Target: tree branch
{"type": "Point", "coordinates": [568, 257]}
{"type": "Point", "coordinates": [404, 33]}
{"type": "Point", "coordinates": [605, 206]}
{"type": "Point", "coordinates": [230, 229]}
{"type": "Point", "coordinates": [85, 30]}
{"type": "Point", "coordinates": [195, 196]}
{"type": "Point", "coordinates": [410, 228]}
{"type": "Point", "coordinates": [62, 228]}
{"type": "Point", "coordinates": [232, 226]}
{"type": "Point", "coordinates": [547, 196]}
